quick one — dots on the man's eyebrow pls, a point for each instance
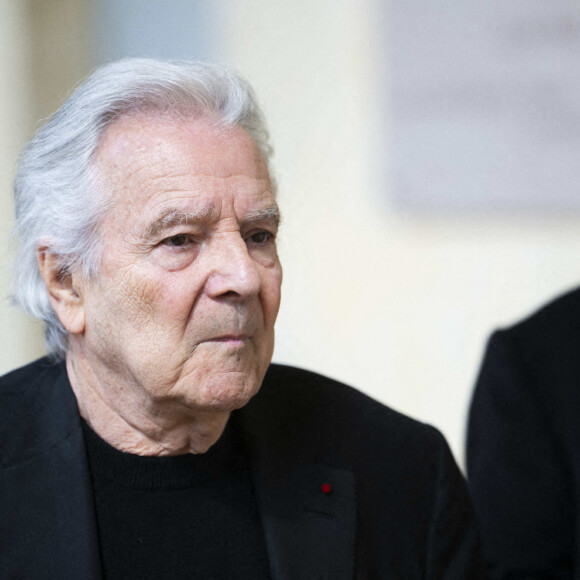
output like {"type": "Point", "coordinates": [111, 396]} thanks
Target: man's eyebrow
{"type": "Point", "coordinates": [176, 217]}
{"type": "Point", "coordinates": [269, 214]}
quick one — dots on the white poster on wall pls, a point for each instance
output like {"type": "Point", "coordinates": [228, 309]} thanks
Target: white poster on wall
{"type": "Point", "coordinates": [486, 103]}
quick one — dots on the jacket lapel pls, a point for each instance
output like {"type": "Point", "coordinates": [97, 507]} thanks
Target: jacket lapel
{"type": "Point", "coordinates": [49, 539]}
{"type": "Point", "coordinates": [309, 522]}
{"type": "Point", "coordinates": [308, 507]}
{"type": "Point", "coordinates": [47, 520]}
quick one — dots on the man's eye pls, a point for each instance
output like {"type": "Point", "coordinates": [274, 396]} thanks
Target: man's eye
{"type": "Point", "coordinates": [177, 241]}
{"type": "Point", "coordinates": [261, 237]}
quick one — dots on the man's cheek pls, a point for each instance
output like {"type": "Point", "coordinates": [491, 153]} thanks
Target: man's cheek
{"type": "Point", "coordinates": [136, 295]}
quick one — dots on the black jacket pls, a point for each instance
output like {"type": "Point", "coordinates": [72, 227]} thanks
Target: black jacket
{"type": "Point", "coordinates": [398, 506]}
{"type": "Point", "coordinates": [523, 450]}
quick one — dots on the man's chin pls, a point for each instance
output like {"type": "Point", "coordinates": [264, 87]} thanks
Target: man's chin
{"type": "Point", "coordinates": [227, 395]}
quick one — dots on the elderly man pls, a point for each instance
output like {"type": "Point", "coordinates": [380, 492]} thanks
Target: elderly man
{"type": "Point", "coordinates": [141, 448]}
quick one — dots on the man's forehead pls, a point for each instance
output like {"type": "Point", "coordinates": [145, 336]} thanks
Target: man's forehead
{"type": "Point", "coordinates": [183, 172]}
{"type": "Point", "coordinates": [173, 140]}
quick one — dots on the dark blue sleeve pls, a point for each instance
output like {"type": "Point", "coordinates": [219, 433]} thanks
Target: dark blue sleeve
{"type": "Point", "coordinates": [518, 475]}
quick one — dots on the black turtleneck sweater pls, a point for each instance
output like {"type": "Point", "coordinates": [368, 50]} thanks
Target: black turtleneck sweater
{"type": "Point", "coordinates": [188, 516]}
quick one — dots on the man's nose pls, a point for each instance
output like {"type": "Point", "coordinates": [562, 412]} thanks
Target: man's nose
{"type": "Point", "coordinates": [233, 271]}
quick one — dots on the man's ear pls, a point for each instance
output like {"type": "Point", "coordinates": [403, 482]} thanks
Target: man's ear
{"type": "Point", "coordinates": [60, 284]}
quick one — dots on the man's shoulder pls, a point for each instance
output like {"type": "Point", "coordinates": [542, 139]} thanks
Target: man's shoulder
{"type": "Point", "coordinates": [560, 315]}
{"type": "Point", "coordinates": [307, 388]}
{"type": "Point", "coordinates": [536, 357]}
{"type": "Point", "coordinates": [36, 404]}
{"type": "Point", "coordinates": [549, 336]}
{"type": "Point", "coordinates": [22, 380]}
{"type": "Point", "coordinates": [335, 411]}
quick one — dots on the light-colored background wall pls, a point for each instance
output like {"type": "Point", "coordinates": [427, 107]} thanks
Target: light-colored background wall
{"type": "Point", "coordinates": [19, 337]}
{"type": "Point", "coordinates": [396, 304]}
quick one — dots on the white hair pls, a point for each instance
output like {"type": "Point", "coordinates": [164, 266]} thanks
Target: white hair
{"type": "Point", "coordinates": [58, 197]}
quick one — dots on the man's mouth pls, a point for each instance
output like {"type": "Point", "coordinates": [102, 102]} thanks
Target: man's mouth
{"type": "Point", "coordinates": [233, 339]}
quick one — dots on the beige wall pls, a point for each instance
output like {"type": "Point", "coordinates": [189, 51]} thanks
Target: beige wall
{"type": "Point", "coordinates": [44, 51]}
{"type": "Point", "coordinates": [19, 338]}
{"type": "Point", "coordinates": [398, 306]}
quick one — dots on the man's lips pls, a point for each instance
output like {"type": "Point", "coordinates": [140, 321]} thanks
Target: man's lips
{"type": "Point", "coordinates": [230, 338]}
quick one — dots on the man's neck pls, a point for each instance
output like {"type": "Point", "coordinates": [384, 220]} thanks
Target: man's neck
{"type": "Point", "coordinates": [140, 426]}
